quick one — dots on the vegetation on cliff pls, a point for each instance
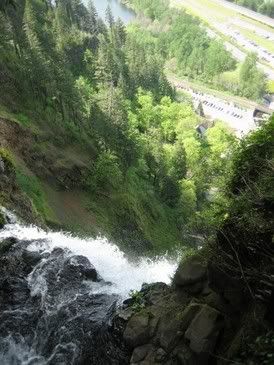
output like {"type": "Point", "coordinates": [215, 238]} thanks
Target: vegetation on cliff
{"type": "Point", "coordinates": [99, 117]}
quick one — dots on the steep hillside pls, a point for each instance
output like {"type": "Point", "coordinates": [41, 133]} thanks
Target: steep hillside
{"type": "Point", "coordinates": [219, 309]}
{"type": "Point", "coordinates": [98, 141]}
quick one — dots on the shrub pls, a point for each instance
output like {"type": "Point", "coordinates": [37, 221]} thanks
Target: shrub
{"type": "Point", "coordinates": [106, 173]}
{"type": "Point", "coordinates": [7, 158]}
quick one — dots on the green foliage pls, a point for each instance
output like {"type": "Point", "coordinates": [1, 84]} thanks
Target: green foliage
{"type": "Point", "coordinates": [262, 6]}
{"type": "Point", "coordinates": [104, 86]}
{"type": "Point", "coordinates": [252, 80]}
{"type": "Point", "coordinates": [260, 351]}
{"type": "Point", "coordinates": [197, 55]}
{"type": "Point", "coordinates": [137, 300]}
{"type": "Point", "coordinates": [23, 119]}
{"type": "Point", "coordinates": [253, 158]}
{"type": "Point", "coordinates": [245, 238]}
{"type": "Point", "coordinates": [7, 158]}
{"type": "Point", "coordinates": [106, 173]}
{"type": "Point", "coordinates": [32, 187]}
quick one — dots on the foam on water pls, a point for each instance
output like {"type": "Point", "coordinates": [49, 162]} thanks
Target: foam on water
{"type": "Point", "coordinates": [107, 258]}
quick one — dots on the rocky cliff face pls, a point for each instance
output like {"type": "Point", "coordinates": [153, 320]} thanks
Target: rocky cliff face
{"type": "Point", "coordinates": [203, 318]}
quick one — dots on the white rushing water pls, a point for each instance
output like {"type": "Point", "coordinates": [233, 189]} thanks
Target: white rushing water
{"type": "Point", "coordinates": [107, 258]}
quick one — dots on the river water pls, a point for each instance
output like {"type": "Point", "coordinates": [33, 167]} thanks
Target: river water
{"type": "Point", "coordinates": [118, 10]}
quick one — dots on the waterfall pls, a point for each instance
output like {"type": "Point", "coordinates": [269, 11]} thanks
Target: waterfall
{"type": "Point", "coordinates": [60, 292]}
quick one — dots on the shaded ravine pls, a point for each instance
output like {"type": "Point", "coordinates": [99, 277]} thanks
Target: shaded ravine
{"type": "Point", "coordinates": [58, 294]}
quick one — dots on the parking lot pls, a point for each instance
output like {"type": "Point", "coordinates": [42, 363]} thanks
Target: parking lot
{"type": "Point", "coordinates": [239, 119]}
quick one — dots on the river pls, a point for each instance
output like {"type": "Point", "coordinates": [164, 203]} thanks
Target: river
{"type": "Point", "coordinates": [118, 10]}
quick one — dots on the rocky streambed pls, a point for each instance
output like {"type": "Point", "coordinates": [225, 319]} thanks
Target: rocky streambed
{"type": "Point", "coordinates": [53, 311]}
{"type": "Point", "coordinates": [57, 309]}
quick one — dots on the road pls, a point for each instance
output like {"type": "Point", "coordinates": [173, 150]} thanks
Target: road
{"type": "Point", "coordinates": [225, 17]}
{"type": "Point", "coordinates": [247, 12]}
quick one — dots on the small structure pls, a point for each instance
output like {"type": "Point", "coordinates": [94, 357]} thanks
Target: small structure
{"type": "Point", "coordinates": [201, 129]}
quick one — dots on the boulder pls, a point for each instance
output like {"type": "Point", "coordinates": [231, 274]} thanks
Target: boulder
{"type": "Point", "coordinates": [168, 332]}
{"type": "Point", "coordinates": [140, 353]}
{"type": "Point", "coordinates": [188, 315]}
{"type": "Point", "coordinates": [160, 355]}
{"type": "Point", "coordinates": [79, 266]}
{"type": "Point", "coordinates": [190, 272]}
{"type": "Point", "coordinates": [204, 330]}
{"type": "Point", "coordinates": [137, 331]}
{"type": "Point", "coordinates": [31, 258]}
{"type": "Point", "coordinates": [152, 293]}
{"type": "Point", "coordinates": [184, 355]}
{"type": "Point", "coordinates": [6, 245]}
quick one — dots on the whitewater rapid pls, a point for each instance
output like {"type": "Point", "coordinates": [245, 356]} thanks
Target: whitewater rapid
{"type": "Point", "coordinates": [112, 264]}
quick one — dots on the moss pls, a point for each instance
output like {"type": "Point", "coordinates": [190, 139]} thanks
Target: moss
{"type": "Point", "coordinates": [33, 188]}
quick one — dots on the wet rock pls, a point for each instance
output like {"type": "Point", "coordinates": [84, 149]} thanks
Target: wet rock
{"type": "Point", "coordinates": [31, 258]}
{"type": "Point", "coordinates": [152, 293]}
{"type": "Point", "coordinates": [7, 244]}
{"type": "Point", "coordinates": [125, 314]}
{"type": "Point", "coordinates": [137, 331]}
{"type": "Point", "coordinates": [204, 330]}
{"type": "Point", "coordinates": [140, 353]}
{"type": "Point", "coordinates": [80, 267]}
{"type": "Point", "coordinates": [2, 220]}
{"type": "Point", "coordinates": [190, 272]}
{"type": "Point", "coordinates": [58, 318]}
{"type": "Point", "coordinates": [14, 291]}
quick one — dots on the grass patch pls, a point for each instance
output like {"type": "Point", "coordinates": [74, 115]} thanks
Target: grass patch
{"type": "Point", "coordinates": [232, 76]}
{"type": "Point", "coordinates": [33, 188]}
{"type": "Point", "coordinates": [23, 119]}
{"type": "Point", "coordinates": [269, 45]}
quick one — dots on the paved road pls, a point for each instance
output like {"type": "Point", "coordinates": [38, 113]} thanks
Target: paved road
{"type": "Point", "coordinates": [247, 12]}
{"type": "Point", "coordinates": [237, 53]}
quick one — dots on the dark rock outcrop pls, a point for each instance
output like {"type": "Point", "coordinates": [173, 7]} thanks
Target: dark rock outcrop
{"type": "Point", "coordinates": [48, 308]}
{"type": "Point", "coordinates": [183, 325]}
